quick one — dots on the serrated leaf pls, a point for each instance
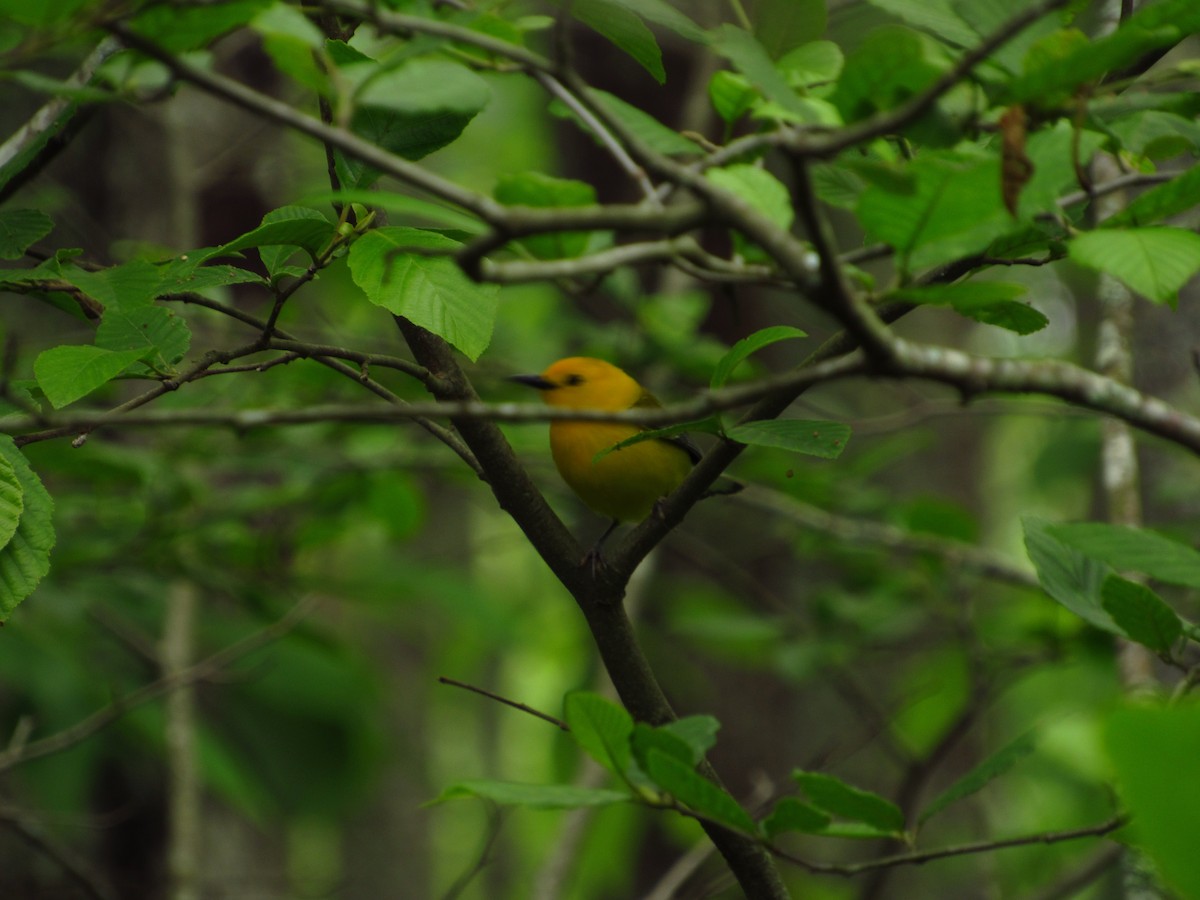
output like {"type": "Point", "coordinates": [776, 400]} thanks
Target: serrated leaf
{"type": "Point", "coordinates": [183, 28]}
{"type": "Point", "coordinates": [1067, 575]}
{"type": "Point", "coordinates": [19, 228]}
{"type": "Point", "coordinates": [601, 728]}
{"type": "Point", "coordinates": [1136, 549]}
{"type": "Point", "coordinates": [1155, 262]}
{"type": "Point", "coordinates": [145, 328]}
{"type": "Point", "coordinates": [534, 796]}
{"type": "Point", "coordinates": [812, 437]}
{"type": "Point", "coordinates": [11, 500]}
{"type": "Point", "coordinates": [293, 226]}
{"type": "Point", "coordinates": [134, 283]}
{"type": "Point", "coordinates": [764, 337]}
{"type": "Point", "coordinates": [1154, 753]}
{"type": "Point", "coordinates": [203, 278]}
{"type": "Point", "coordinates": [699, 794]}
{"type": "Point", "coordinates": [840, 799]}
{"type": "Point", "coordinates": [67, 373]}
{"type": "Point", "coordinates": [982, 775]}
{"type": "Point", "coordinates": [790, 814]}
{"type": "Point", "coordinates": [1141, 613]}
{"type": "Point", "coordinates": [429, 291]}
{"type": "Point", "coordinates": [25, 559]}
{"type": "Point", "coordinates": [625, 29]}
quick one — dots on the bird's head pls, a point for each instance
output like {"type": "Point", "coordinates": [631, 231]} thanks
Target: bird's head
{"type": "Point", "coordinates": [581, 382]}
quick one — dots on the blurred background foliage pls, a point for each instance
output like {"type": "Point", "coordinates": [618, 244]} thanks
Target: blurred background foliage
{"type": "Point", "coordinates": [816, 644]}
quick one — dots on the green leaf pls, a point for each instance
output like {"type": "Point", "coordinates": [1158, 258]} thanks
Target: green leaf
{"type": "Point", "coordinates": [1160, 202]}
{"type": "Point", "coordinates": [292, 226]}
{"type": "Point", "coordinates": [545, 191]}
{"type": "Point", "coordinates": [187, 276]}
{"type": "Point", "coordinates": [938, 17]}
{"type": "Point", "coordinates": [1141, 614]}
{"type": "Point", "coordinates": [698, 732]}
{"type": "Point", "coordinates": [653, 133]}
{"type": "Point", "coordinates": [134, 283]}
{"type": "Point", "coordinates": [781, 25]}
{"type": "Point", "coordinates": [625, 29]}
{"type": "Point", "coordinates": [421, 86]}
{"type": "Point", "coordinates": [25, 559]}
{"type": "Point", "coordinates": [646, 738]}
{"type": "Point", "coordinates": [840, 799]}
{"type": "Point", "coordinates": [812, 437]}
{"type": "Point", "coordinates": [1156, 134]}
{"type": "Point", "coordinates": [1137, 549]}
{"type": "Point", "coordinates": [699, 794]}
{"type": "Point", "coordinates": [990, 302]}
{"type": "Point", "coordinates": [790, 814]}
{"type": "Point", "coordinates": [811, 64]}
{"type": "Point", "coordinates": [1154, 752]}
{"type": "Point", "coordinates": [757, 187]}
{"type": "Point", "coordinates": [989, 16]}
{"type": "Point", "coordinates": [20, 228]}
{"type": "Point", "coordinates": [1155, 262]}
{"type": "Point", "coordinates": [601, 728]}
{"type": "Point", "coordinates": [534, 796]}
{"type": "Point", "coordinates": [403, 206]}
{"type": "Point", "coordinates": [410, 111]}
{"type": "Point", "coordinates": [429, 291]}
{"type": "Point", "coordinates": [751, 344]}
{"type": "Point", "coordinates": [982, 775]}
{"type": "Point", "coordinates": [292, 41]}
{"type": "Point", "coordinates": [703, 426]}
{"type": "Point", "coordinates": [1054, 153]}
{"type": "Point", "coordinates": [183, 28]}
{"type": "Point", "coordinates": [752, 60]}
{"type": "Point", "coordinates": [1049, 78]}
{"type": "Point", "coordinates": [662, 13]}
{"type": "Point", "coordinates": [940, 207]}
{"type": "Point", "coordinates": [67, 373]}
{"type": "Point", "coordinates": [11, 500]}
{"type": "Point", "coordinates": [892, 64]}
{"type": "Point", "coordinates": [145, 328]}
{"type": "Point", "coordinates": [731, 95]}
{"type": "Point", "coordinates": [1067, 575]}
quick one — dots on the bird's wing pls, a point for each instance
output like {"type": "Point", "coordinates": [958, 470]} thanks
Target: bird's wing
{"type": "Point", "coordinates": [648, 401]}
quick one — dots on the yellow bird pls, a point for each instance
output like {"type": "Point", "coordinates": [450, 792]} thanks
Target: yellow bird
{"type": "Point", "coordinates": [626, 484]}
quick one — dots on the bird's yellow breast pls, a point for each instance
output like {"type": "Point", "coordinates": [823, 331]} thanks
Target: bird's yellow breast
{"type": "Point", "coordinates": [623, 484]}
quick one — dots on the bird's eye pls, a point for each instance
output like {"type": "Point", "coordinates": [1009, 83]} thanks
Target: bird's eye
{"type": "Point", "coordinates": [573, 380]}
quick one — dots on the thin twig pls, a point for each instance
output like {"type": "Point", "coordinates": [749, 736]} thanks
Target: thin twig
{"type": "Point", "coordinates": [442, 679]}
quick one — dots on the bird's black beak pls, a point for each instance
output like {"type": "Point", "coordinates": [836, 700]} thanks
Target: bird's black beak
{"type": "Point", "coordinates": [534, 381]}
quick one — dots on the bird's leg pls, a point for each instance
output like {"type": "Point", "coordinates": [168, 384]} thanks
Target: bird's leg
{"type": "Point", "coordinates": [594, 560]}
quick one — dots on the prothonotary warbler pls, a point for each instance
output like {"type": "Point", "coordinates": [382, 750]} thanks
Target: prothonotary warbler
{"type": "Point", "coordinates": [625, 484]}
